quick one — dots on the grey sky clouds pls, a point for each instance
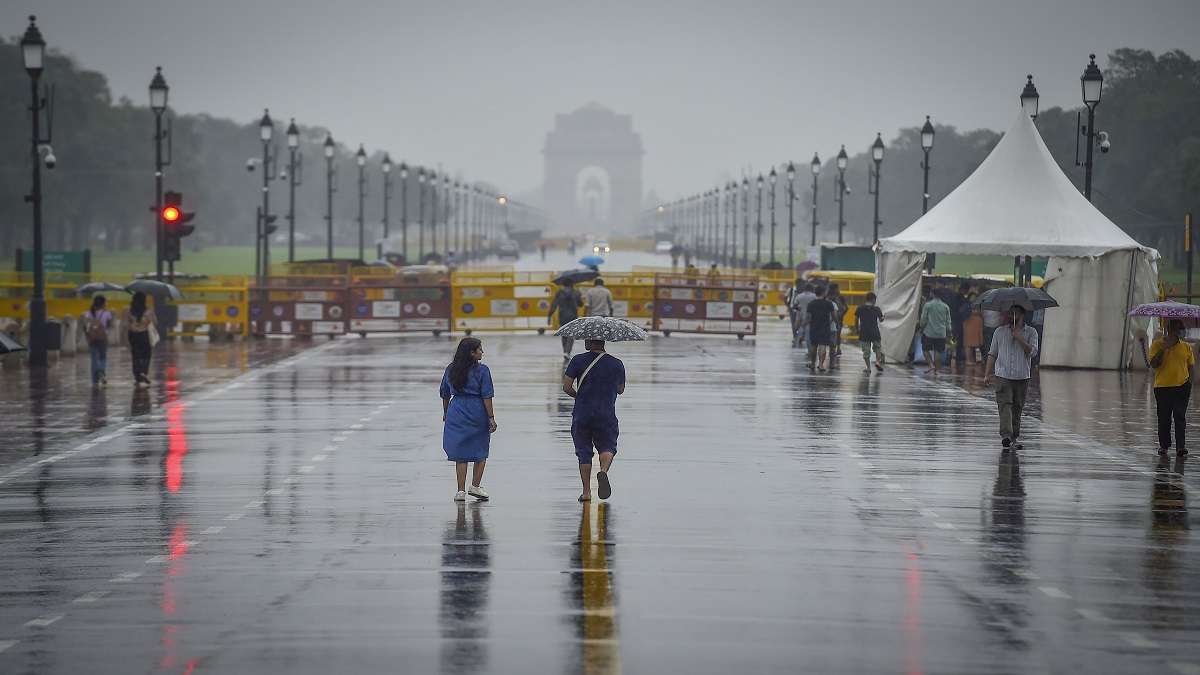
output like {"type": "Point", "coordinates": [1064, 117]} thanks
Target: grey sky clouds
{"type": "Point", "coordinates": [713, 87]}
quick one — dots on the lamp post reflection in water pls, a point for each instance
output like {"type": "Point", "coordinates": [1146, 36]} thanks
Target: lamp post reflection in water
{"type": "Point", "coordinates": [592, 594]}
{"type": "Point", "coordinates": [466, 582]}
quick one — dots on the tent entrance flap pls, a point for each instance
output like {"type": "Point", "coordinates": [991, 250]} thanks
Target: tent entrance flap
{"type": "Point", "coordinates": [898, 291]}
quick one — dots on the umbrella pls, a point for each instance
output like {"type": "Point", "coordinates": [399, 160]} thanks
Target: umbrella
{"type": "Point", "coordinates": [605, 328]}
{"type": "Point", "coordinates": [1004, 299]}
{"type": "Point", "coordinates": [576, 276]}
{"type": "Point", "coordinates": [99, 287]}
{"type": "Point", "coordinates": [1167, 310]}
{"type": "Point", "coordinates": [154, 288]}
{"type": "Point", "coordinates": [9, 345]}
{"type": "Point", "coordinates": [591, 260]}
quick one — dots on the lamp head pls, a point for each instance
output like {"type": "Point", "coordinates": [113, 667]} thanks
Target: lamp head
{"type": "Point", "coordinates": [1029, 98]}
{"type": "Point", "coordinates": [927, 134]}
{"type": "Point", "coordinates": [877, 148]}
{"type": "Point", "coordinates": [1091, 82]}
{"type": "Point", "coordinates": [158, 91]}
{"type": "Point", "coordinates": [842, 159]}
{"type": "Point", "coordinates": [266, 127]}
{"type": "Point", "coordinates": [293, 134]}
{"type": "Point", "coordinates": [33, 48]}
{"type": "Point", "coordinates": [329, 146]}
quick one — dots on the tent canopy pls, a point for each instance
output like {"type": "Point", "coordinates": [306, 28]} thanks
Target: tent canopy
{"type": "Point", "coordinates": [1018, 202]}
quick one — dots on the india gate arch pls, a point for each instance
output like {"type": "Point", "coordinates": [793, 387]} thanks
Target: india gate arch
{"type": "Point", "coordinates": [593, 161]}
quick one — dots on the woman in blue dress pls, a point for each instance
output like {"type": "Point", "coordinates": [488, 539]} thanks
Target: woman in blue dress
{"type": "Point", "coordinates": [467, 411]}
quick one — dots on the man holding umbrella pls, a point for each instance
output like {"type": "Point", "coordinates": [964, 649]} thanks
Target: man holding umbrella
{"type": "Point", "coordinates": [1010, 359]}
{"type": "Point", "coordinates": [594, 379]}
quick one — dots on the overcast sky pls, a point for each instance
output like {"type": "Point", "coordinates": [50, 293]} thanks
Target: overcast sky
{"type": "Point", "coordinates": [713, 87]}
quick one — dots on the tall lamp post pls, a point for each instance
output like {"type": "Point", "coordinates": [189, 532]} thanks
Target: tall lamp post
{"type": "Point", "coordinates": [421, 216]}
{"type": "Point", "coordinates": [758, 227]}
{"type": "Point", "coordinates": [773, 178]}
{"type": "Point", "coordinates": [33, 52]}
{"type": "Point", "coordinates": [791, 200]}
{"type": "Point", "coordinates": [731, 223]}
{"type": "Point", "coordinates": [460, 223]}
{"type": "Point", "coordinates": [927, 134]}
{"type": "Point", "coordinates": [266, 131]}
{"type": "Point", "coordinates": [877, 157]}
{"type": "Point", "coordinates": [158, 104]}
{"type": "Point", "coordinates": [329, 150]}
{"type": "Point", "coordinates": [745, 223]}
{"type": "Point", "coordinates": [360, 158]}
{"type": "Point", "coordinates": [840, 193]}
{"type": "Point", "coordinates": [1092, 84]}
{"type": "Point", "coordinates": [446, 197]}
{"type": "Point", "coordinates": [404, 210]}
{"type": "Point", "coordinates": [293, 143]}
{"type": "Point", "coordinates": [387, 193]}
{"type": "Point", "coordinates": [433, 211]}
{"type": "Point", "coordinates": [815, 167]}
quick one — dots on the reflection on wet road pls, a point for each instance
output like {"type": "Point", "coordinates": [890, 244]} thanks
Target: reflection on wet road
{"type": "Point", "coordinates": [286, 508]}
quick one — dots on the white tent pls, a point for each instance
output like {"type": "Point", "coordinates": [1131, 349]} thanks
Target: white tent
{"type": "Point", "coordinates": [1019, 203]}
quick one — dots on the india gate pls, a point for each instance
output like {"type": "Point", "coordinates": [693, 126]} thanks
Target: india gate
{"type": "Point", "coordinates": [593, 170]}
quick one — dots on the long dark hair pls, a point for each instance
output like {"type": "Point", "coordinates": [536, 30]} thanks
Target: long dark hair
{"type": "Point", "coordinates": [461, 366]}
{"type": "Point", "coordinates": [98, 303]}
{"type": "Point", "coordinates": [137, 307]}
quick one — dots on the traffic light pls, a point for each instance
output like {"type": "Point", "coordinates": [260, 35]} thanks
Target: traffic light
{"type": "Point", "coordinates": [269, 227]}
{"type": "Point", "coordinates": [175, 224]}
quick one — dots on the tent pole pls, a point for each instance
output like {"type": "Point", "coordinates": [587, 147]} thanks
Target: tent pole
{"type": "Point", "coordinates": [1132, 279]}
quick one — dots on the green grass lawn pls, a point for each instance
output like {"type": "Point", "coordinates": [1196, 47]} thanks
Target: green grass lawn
{"type": "Point", "coordinates": [217, 260]}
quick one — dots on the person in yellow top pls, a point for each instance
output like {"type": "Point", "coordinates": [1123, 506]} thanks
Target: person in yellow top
{"type": "Point", "coordinates": [1174, 366]}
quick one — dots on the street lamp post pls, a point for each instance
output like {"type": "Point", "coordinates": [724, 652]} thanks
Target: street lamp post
{"type": "Point", "coordinates": [758, 226]}
{"type": "Point", "coordinates": [293, 143]}
{"type": "Point", "coordinates": [446, 199]}
{"type": "Point", "coordinates": [877, 157]}
{"type": "Point", "coordinates": [791, 200]}
{"type": "Point", "coordinates": [927, 134]}
{"type": "Point", "coordinates": [1092, 84]}
{"type": "Point", "coordinates": [745, 223]}
{"type": "Point", "coordinates": [773, 178]}
{"type": "Point", "coordinates": [387, 193]}
{"type": "Point", "coordinates": [503, 202]}
{"type": "Point", "coordinates": [33, 52]}
{"type": "Point", "coordinates": [158, 104]}
{"type": "Point", "coordinates": [360, 158]}
{"type": "Point", "coordinates": [329, 149]}
{"type": "Point", "coordinates": [421, 216]}
{"type": "Point", "coordinates": [404, 210]}
{"type": "Point", "coordinates": [730, 224]}
{"type": "Point", "coordinates": [840, 191]}
{"type": "Point", "coordinates": [266, 131]}
{"type": "Point", "coordinates": [433, 211]}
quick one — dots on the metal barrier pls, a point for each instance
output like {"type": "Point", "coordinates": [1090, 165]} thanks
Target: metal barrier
{"type": "Point", "coordinates": [773, 288]}
{"type": "Point", "coordinates": [213, 306]}
{"type": "Point", "coordinates": [16, 288]}
{"type": "Point", "coordinates": [299, 305]}
{"type": "Point", "coordinates": [390, 301]}
{"type": "Point", "coordinates": [720, 305]}
{"type": "Point", "coordinates": [501, 300]}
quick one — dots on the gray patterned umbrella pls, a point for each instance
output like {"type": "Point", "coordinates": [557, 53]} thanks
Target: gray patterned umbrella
{"type": "Point", "coordinates": [607, 328]}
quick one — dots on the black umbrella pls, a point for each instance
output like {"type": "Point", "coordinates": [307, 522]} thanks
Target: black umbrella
{"type": "Point", "coordinates": [157, 289]}
{"type": "Point", "coordinates": [1004, 299]}
{"type": "Point", "coordinates": [576, 276]}
{"type": "Point", "coordinates": [9, 345]}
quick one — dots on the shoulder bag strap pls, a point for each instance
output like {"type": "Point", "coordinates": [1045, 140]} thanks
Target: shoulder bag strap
{"type": "Point", "coordinates": [589, 369]}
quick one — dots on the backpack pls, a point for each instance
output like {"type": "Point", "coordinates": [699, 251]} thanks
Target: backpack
{"type": "Point", "coordinates": [95, 329]}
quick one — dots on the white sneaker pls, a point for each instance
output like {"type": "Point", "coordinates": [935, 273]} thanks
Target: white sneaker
{"type": "Point", "coordinates": [460, 496]}
{"type": "Point", "coordinates": [478, 493]}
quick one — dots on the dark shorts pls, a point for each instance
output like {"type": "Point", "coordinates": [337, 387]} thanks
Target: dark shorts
{"type": "Point", "coordinates": [933, 344]}
{"type": "Point", "coordinates": [591, 434]}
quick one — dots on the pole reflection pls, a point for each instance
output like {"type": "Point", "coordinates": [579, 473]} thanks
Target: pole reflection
{"type": "Point", "coordinates": [592, 593]}
{"type": "Point", "coordinates": [466, 582]}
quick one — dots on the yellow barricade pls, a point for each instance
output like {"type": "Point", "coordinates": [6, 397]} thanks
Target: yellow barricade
{"type": "Point", "coordinates": [16, 288]}
{"type": "Point", "coordinates": [501, 300]}
{"type": "Point", "coordinates": [213, 306]}
{"type": "Point", "coordinates": [773, 287]}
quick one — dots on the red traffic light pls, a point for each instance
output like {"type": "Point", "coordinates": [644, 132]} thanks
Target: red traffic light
{"type": "Point", "coordinates": [171, 214]}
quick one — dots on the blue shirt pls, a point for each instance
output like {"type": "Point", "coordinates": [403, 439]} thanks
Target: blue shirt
{"type": "Point", "coordinates": [597, 397]}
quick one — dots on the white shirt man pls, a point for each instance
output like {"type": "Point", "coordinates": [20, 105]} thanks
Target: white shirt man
{"type": "Point", "coordinates": [599, 300]}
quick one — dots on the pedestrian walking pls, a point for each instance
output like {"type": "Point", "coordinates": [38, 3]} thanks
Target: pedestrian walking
{"type": "Point", "coordinates": [1010, 358]}
{"type": "Point", "coordinates": [867, 320]}
{"type": "Point", "coordinates": [935, 326]}
{"type": "Point", "coordinates": [142, 333]}
{"type": "Point", "coordinates": [594, 379]}
{"type": "Point", "coordinates": [95, 326]}
{"type": "Point", "coordinates": [839, 316]}
{"type": "Point", "coordinates": [1174, 366]}
{"type": "Point", "coordinates": [599, 299]}
{"type": "Point", "coordinates": [468, 417]}
{"type": "Point", "coordinates": [819, 320]}
{"type": "Point", "coordinates": [798, 298]}
{"type": "Point", "coordinates": [566, 302]}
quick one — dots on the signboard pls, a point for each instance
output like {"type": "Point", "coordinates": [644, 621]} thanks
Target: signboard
{"type": "Point", "coordinates": [57, 262]}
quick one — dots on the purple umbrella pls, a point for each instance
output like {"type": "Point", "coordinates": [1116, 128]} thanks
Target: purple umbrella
{"type": "Point", "coordinates": [1168, 310]}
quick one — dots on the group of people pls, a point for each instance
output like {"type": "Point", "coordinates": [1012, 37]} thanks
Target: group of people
{"type": "Point", "coordinates": [817, 313]}
{"type": "Point", "coordinates": [567, 302]}
{"type": "Point", "coordinates": [594, 379]}
{"type": "Point", "coordinates": [141, 332]}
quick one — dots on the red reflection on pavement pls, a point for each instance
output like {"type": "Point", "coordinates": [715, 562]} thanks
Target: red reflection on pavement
{"type": "Point", "coordinates": [176, 434]}
{"type": "Point", "coordinates": [179, 543]}
{"type": "Point", "coordinates": [912, 616]}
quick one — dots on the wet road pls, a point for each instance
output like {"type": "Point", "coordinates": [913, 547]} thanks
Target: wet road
{"type": "Point", "coordinates": [298, 518]}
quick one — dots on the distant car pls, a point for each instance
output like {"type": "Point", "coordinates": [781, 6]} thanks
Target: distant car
{"type": "Point", "coordinates": [508, 249]}
{"type": "Point", "coordinates": [663, 247]}
{"type": "Point", "coordinates": [601, 246]}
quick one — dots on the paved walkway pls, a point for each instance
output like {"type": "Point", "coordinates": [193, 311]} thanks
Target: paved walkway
{"type": "Point", "coordinates": [298, 518]}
